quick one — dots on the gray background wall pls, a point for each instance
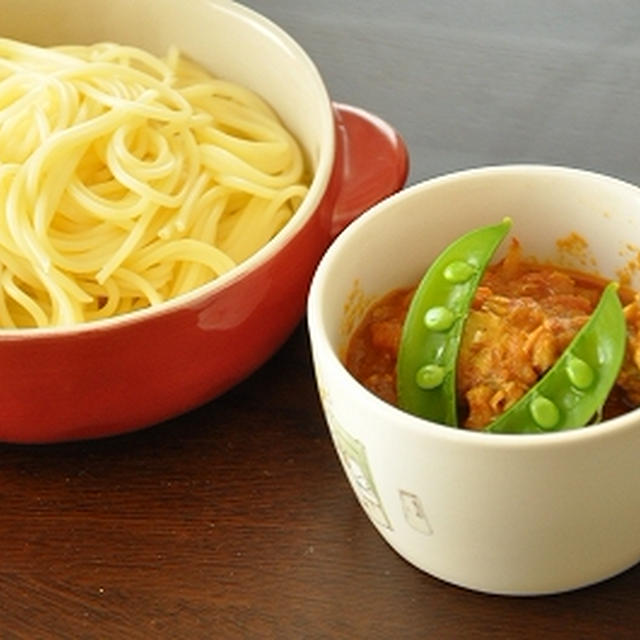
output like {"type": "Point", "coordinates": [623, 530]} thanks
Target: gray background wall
{"type": "Point", "coordinates": [484, 82]}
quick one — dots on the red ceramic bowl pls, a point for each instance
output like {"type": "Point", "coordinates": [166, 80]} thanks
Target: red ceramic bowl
{"type": "Point", "coordinates": [124, 373]}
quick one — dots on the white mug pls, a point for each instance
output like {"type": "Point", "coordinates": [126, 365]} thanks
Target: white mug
{"type": "Point", "coordinates": [505, 514]}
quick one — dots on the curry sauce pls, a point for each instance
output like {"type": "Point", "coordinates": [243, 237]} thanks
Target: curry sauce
{"type": "Point", "coordinates": [523, 316]}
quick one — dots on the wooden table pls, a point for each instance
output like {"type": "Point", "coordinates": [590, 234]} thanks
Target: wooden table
{"type": "Point", "coordinates": [235, 521]}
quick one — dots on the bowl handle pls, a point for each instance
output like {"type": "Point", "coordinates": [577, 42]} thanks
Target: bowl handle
{"type": "Point", "coordinates": [375, 163]}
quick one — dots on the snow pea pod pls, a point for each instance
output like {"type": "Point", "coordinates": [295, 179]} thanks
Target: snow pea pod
{"type": "Point", "coordinates": [432, 331]}
{"type": "Point", "coordinates": [575, 388]}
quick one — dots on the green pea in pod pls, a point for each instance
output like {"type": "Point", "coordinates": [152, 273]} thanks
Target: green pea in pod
{"type": "Point", "coordinates": [432, 331]}
{"type": "Point", "coordinates": [577, 385]}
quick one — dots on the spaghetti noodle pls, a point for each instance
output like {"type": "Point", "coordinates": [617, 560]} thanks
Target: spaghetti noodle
{"type": "Point", "coordinates": [127, 179]}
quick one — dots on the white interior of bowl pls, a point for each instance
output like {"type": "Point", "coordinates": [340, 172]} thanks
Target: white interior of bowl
{"type": "Point", "coordinates": [392, 245]}
{"type": "Point", "coordinates": [230, 40]}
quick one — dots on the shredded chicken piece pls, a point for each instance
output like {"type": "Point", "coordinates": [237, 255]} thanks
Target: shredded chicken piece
{"type": "Point", "coordinates": [629, 377]}
{"type": "Point", "coordinates": [521, 320]}
{"type": "Point", "coordinates": [506, 346]}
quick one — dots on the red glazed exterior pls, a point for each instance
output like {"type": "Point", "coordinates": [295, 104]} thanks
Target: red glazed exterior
{"type": "Point", "coordinates": [95, 381]}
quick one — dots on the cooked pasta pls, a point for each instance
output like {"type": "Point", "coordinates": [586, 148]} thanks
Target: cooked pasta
{"type": "Point", "coordinates": [127, 179]}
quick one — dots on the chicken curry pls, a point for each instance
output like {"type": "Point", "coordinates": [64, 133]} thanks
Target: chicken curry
{"type": "Point", "coordinates": [522, 317]}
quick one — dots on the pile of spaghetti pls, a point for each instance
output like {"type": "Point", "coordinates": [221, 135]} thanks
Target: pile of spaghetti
{"type": "Point", "coordinates": [126, 180]}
